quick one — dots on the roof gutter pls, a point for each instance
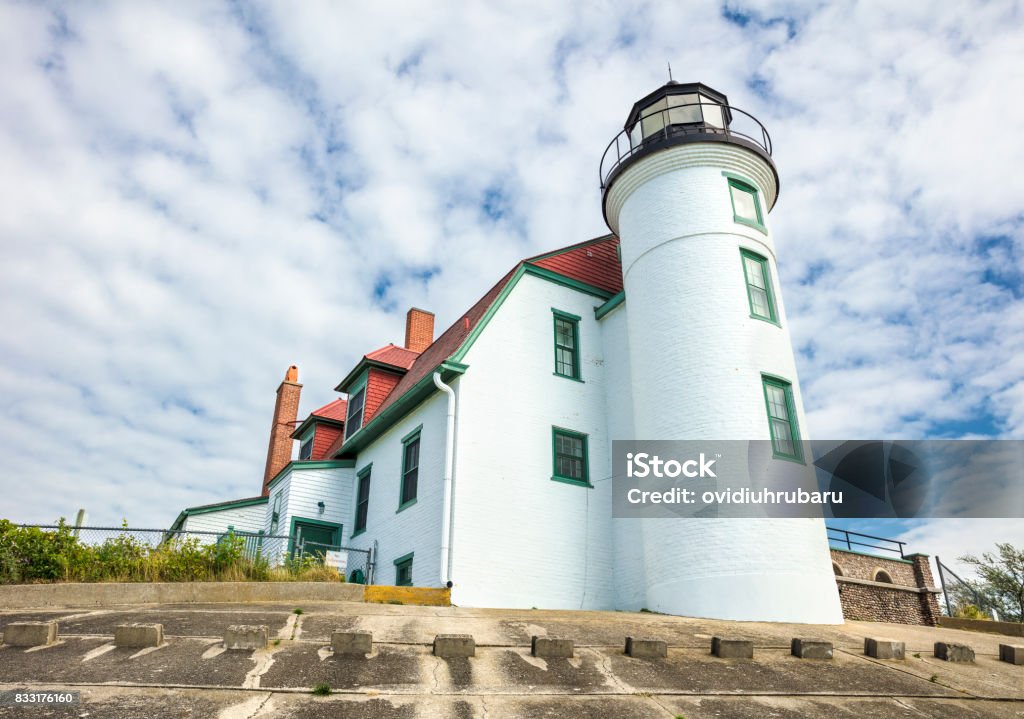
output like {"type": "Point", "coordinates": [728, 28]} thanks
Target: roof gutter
{"type": "Point", "coordinates": [449, 471]}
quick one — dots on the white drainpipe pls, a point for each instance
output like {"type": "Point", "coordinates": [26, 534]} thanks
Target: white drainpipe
{"type": "Point", "coordinates": [449, 463]}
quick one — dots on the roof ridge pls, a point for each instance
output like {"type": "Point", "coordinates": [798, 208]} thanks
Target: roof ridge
{"type": "Point", "coordinates": [570, 248]}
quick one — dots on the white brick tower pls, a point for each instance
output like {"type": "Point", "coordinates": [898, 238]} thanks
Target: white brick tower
{"type": "Point", "coordinates": [688, 186]}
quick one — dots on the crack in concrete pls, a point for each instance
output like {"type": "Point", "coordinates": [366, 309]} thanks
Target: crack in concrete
{"type": "Point", "coordinates": [605, 667]}
{"type": "Point", "coordinates": [264, 659]}
{"type": "Point", "coordinates": [247, 709]}
{"type": "Point", "coordinates": [483, 705]}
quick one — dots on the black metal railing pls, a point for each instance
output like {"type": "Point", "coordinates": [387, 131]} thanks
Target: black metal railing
{"type": "Point", "coordinates": [674, 125]}
{"type": "Point", "coordinates": [840, 538]}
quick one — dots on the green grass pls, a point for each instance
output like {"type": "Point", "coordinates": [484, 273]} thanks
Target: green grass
{"type": "Point", "coordinates": [396, 601]}
{"type": "Point", "coordinates": [277, 642]}
{"type": "Point", "coordinates": [322, 689]}
{"type": "Point", "coordinates": [297, 610]}
{"type": "Point", "coordinates": [917, 655]}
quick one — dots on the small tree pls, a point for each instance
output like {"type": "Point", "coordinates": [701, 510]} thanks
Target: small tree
{"type": "Point", "coordinates": [1001, 579]}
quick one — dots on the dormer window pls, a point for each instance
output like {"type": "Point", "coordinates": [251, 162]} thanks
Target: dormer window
{"type": "Point", "coordinates": [354, 420]}
{"type": "Point", "coordinates": [306, 447]}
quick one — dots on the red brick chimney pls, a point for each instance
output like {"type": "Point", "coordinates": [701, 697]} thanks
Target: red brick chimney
{"type": "Point", "coordinates": [419, 329]}
{"type": "Point", "coordinates": [286, 412]}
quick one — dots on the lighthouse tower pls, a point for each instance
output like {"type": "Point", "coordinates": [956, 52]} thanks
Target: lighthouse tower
{"type": "Point", "coordinates": [688, 186]}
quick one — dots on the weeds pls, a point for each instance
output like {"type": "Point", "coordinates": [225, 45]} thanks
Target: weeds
{"type": "Point", "coordinates": [30, 555]}
{"type": "Point", "coordinates": [322, 689]}
{"type": "Point", "coordinates": [297, 610]}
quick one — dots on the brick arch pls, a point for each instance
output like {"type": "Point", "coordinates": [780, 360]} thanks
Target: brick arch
{"type": "Point", "coordinates": [837, 569]}
{"type": "Point", "coordinates": [880, 575]}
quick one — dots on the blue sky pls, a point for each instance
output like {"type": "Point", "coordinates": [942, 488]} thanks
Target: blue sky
{"type": "Point", "coordinates": [196, 196]}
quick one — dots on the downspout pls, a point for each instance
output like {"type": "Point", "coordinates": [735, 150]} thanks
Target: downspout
{"type": "Point", "coordinates": [449, 463]}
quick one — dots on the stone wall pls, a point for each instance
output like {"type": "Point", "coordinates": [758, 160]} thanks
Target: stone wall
{"type": "Point", "coordinates": [881, 589]}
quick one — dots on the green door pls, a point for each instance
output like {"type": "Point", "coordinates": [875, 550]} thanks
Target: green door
{"type": "Point", "coordinates": [316, 537]}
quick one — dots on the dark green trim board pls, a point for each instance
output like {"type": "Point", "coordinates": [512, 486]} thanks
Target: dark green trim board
{"type": "Point", "coordinates": [364, 366]}
{"type": "Point", "coordinates": [585, 457]}
{"type": "Point", "coordinates": [311, 464]}
{"type": "Point", "coordinates": [317, 522]}
{"type": "Point", "coordinates": [786, 387]}
{"type": "Point", "coordinates": [235, 504]}
{"type": "Point", "coordinates": [766, 278]}
{"type": "Point", "coordinates": [566, 281]}
{"type": "Point", "coordinates": [573, 321]}
{"type": "Point", "coordinates": [733, 182]}
{"type": "Point", "coordinates": [412, 434]}
{"type": "Point", "coordinates": [403, 562]}
{"type": "Point", "coordinates": [614, 302]}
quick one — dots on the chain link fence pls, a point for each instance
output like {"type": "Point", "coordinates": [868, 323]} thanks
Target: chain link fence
{"type": "Point", "coordinates": [276, 550]}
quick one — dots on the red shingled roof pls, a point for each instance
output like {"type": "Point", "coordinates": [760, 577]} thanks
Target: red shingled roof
{"type": "Point", "coordinates": [594, 262]}
{"type": "Point", "coordinates": [333, 410]}
{"type": "Point", "coordinates": [394, 356]}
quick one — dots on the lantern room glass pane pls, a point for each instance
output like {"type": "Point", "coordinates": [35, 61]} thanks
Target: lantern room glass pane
{"type": "Point", "coordinates": [684, 109]}
{"type": "Point", "coordinates": [654, 117]}
{"type": "Point", "coordinates": [712, 112]}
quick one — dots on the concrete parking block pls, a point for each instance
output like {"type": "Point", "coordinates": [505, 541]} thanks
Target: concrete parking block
{"type": "Point", "coordinates": [810, 648]}
{"type": "Point", "coordinates": [951, 652]}
{"type": "Point", "coordinates": [1012, 653]}
{"type": "Point", "coordinates": [351, 643]}
{"type": "Point", "coordinates": [138, 635]}
{"type": "Point", "coordinates": [646, 648]}
{"type": "Point", "coordinates": [30, 634]}
{"type": "Point", "coordinates": [732, 648]}
{"type": "Point", "coordinates": [884, 648]}
{"type": "Point", "coordinates": [246, 636]}
{"type": "Point", "coordinates": [552, 648]}
{"type": "Point", "coordinates": [454, 645]}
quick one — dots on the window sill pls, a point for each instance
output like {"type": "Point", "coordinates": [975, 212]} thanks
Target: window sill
{"type": "Point", "coordinates": [405, 506]}
{"type": "Point", "coordinates": [751, 223]}
{"type": "Point", "coordinates": [576, 482]}
{"type": "Point", "coordinates": [788, 458]}
{"type": "Point", "coordinates": [565, 376]}
{"type": "Point", "coordinates": [765, 319]}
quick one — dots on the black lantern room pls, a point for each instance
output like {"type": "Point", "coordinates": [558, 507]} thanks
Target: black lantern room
{"type": "Point", "coordinates": [678, 108]}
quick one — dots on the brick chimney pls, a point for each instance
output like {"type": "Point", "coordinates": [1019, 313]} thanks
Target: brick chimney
{"type": "Point", "coordinates": [286, 411]}
{"type": "Point", "coordinates": [419, 329]}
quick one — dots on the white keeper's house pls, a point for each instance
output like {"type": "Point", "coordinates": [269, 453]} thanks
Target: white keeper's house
{"type": "Point", "coordinates": [482, 457]}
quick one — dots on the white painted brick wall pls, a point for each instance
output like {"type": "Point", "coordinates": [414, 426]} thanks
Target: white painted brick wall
{"type": "Point", "coordinates": [696, 358]}
{"type": "Point", "coordinates": [521, 539]}
{"type": "Point", "coordinates": [416, 528]}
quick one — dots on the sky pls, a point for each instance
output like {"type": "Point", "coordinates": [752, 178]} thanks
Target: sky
{"type": "Point", "coordinates": [197, 195]}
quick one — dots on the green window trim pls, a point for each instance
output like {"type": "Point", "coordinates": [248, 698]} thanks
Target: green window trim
{"type": "Point", "coordinates": [363, 475]}
{"type": "Point", "coordinates": [557, 475]}
{"type": "Point", "coordinates": [567, 344]}
{"type": "Point", "coordinates": [410, 474]}
{"type": "Point", "coordinates": [275, 512]}
{"type": "Point", "coordinates": [754, 291]}
{"type": "Point", "coordinates": [740, 185]}
{"type": "Point", "coordinates": [336, 526]}
{"type": "Point", "coordinates": [403, 564]}
{"type": "Point", "coordinates": [354, 419]}
{"type": "Point", "coordinates": [306, 445]}
{"type": "Point", "coordinates": [782, 418]}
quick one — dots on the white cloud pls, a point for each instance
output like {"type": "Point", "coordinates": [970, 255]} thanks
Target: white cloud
{"type": "Point", "coordinates": [196, 198]}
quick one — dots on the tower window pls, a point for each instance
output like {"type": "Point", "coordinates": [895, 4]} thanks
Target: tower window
{"type": "Point", "coordinates": [746, 207]}
{"type": "Point", "coordinates": [362, 500]}
{"type": "Point", "coordinates": [354, 417]}
{"type": "Point", "coordinates": [567, 345]}
{"type": "Point", "coordinates": [403, 571]}
{"type": "Point", "coordinates": [570, 457]}
{"type": "Point", "coordinates": [410, 469]}
{"type": "Point", "coordinates": [778, 397]}
{"type": "Point", "coordinates": [759, 286]}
